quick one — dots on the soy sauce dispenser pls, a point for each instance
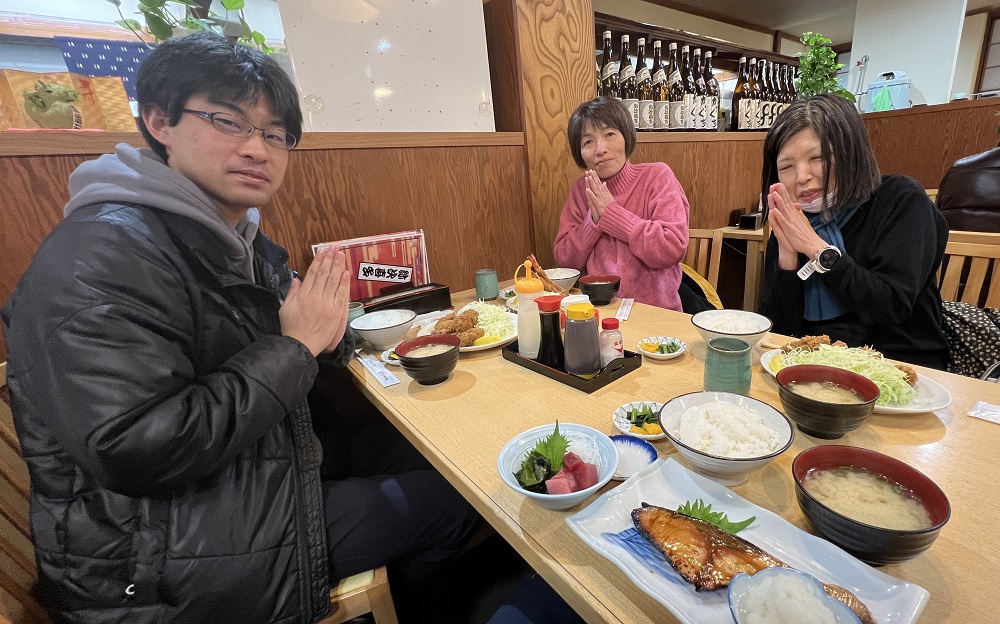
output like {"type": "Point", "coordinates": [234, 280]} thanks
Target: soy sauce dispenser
{"type": "Point", "coordinates": [528, 288]}
{"type": "Point", "coordinates": [550, 350]}
{"type": "Point", "coordinates": [582, 343]}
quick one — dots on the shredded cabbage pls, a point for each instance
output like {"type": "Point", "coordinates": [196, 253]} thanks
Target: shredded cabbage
{"type": "Point", "coordinates": [890, 380]}
{"type": "Point", "coordinates": [493, 320]}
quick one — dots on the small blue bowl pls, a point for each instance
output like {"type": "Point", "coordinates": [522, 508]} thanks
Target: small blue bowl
{"type": "Point", "coordinates": [743, 587]}
{"type": "Point", "coordinates": [634, 454]}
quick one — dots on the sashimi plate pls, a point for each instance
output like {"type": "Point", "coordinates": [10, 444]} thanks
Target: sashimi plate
{"type": "Point", "coordinates": [931, 395]}
{"type": "Point", "coordinates": [606, 526]}
{"type": "Point", "coordinates": [429, 328]}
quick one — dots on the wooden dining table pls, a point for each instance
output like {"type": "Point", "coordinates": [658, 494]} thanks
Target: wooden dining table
{"type": "Point", "coordinates": [460, 425]}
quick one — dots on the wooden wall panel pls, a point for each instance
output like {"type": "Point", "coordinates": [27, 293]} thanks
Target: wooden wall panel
{"type": "Point", "coordinates": [470, 200]}
{"type": "Point", "coordinates": [505, 82]}
{"type": "Point", "coordinates": [718, 174]}
{"type": "Point", "coordinates": [556, 47]}
{"type": "Point", "coordinates": [924, 142]}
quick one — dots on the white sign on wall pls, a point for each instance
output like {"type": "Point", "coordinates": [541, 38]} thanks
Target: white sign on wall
{"type": "Point", "coordinates": [390, 65]}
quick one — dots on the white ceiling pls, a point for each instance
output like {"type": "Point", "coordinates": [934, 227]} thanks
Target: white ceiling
{"type": "Point", "coordinates": [833, 18]}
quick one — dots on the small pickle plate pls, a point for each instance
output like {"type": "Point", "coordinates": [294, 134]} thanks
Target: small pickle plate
{"type": "Point", "coordinates": [657, 340]}
{"type": "Point", "coordinates": [622, 422]}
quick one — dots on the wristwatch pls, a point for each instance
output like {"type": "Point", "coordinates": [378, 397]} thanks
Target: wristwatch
{"type": "Point", "coordinates": [823, 262]}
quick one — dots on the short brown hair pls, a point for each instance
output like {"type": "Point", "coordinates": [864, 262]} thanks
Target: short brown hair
{"type": "Point", "coordinates": [601, 112]}
{"type": "Point", "coordinates": [843, 140]}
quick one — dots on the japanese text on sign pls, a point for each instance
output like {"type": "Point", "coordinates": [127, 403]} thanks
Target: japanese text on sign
{"type": "Point", "coordinates": [383, 272]}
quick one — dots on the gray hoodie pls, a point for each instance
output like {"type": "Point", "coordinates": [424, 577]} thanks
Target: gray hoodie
{"type": "Point", "coordinates": [138, 176]}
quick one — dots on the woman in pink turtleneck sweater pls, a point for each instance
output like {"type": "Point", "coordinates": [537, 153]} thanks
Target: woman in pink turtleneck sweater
{"type": "Point", "coordinates": [620, 218]}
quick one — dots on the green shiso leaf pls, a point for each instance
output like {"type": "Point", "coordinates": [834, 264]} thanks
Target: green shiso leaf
{"type": "Point", "coordinates": [699, 510]}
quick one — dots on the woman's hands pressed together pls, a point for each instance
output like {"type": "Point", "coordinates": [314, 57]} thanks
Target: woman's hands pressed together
{"type": "Point", "coordinates": [598, 195]}
{"type": "Point", "coordinates": [315, 310]}
{"type": "Point", "coordinates": [791, 227]}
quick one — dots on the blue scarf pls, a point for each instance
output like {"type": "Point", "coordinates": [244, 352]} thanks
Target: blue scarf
{"type": "Point", "coordinates": [820, 304]}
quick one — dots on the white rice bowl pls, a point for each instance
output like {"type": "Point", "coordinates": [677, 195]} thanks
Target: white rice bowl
{"type": "Point", "coordinates": [748, 326]}
{"type": "Point", "coordinates": [740, 445]}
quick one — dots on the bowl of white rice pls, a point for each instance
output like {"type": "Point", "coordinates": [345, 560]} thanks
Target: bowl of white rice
{"type": "Point", "coordinates": [725, 436]}
{"type": "Point", "coordinates": [748, 326]}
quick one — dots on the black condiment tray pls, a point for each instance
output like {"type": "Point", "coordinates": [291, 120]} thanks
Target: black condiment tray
{"type": "Point", "coordinates": [615, 370]}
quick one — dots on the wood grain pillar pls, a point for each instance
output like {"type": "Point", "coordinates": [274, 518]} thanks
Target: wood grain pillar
{"type": "Point", "coordinates": [555, 44]}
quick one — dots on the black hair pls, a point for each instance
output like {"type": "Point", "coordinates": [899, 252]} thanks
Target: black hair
{"type": "Point", "coordinates": [600, 112]}
{"type": "Point", "coordinates": [843, 141]}
{"type": "Point", "coordinates": [207, 64]}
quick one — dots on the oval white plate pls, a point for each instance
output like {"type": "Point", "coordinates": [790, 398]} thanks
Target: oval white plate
{"type": "Point", "coordinates": [387, 358]}
{"type": "Point", "coordinates": [931, 396]}
{"type": "Point", "coordinates": [606, 526]}
{"type": "Point", "coordinates": [622, 423]}
{"type": "Point", "coordinates": [659, 340]}
{"type": "Point", "coordinates": [633, 455]}
{"type": "Point", "coordinates": [429, 327]}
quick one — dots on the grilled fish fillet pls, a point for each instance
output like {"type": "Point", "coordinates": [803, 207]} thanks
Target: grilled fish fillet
{"type": "Point", "coordinates": [709, 558]}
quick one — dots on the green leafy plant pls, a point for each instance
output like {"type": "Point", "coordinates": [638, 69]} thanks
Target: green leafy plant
{"type": "Point", "coordinates": [543, 461]}
{"type": "Point", "coordinates": [818, 68]}
{"type": "Point", "coordinates": [160, 21]}
{"type": "Point", "coordinates": [701, 511]}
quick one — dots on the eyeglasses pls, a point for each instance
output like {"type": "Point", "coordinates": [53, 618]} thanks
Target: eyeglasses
{"type": "Point", "coordinates": [233, 125]}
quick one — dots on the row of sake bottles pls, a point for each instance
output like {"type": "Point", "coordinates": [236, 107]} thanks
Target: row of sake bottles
{"type": "Point", "coordinates": [681, 94]}
{"type": "Point", "coordinates": [763, 90]}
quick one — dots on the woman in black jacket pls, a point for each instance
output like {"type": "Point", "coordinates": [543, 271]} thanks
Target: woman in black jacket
{"type": "Point", "coordinates": [853, 255]}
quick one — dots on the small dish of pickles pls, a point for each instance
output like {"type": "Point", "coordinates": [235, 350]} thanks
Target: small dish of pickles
{"type": "Point", "coordinates": [661, 347]}
{"type": "Point", "coordinates": [640, 419]}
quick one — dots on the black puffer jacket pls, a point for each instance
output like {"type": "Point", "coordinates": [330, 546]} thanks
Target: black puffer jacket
{"type": "Point", "coordinates": [164, 423]}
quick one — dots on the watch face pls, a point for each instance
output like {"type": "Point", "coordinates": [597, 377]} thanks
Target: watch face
{"type": "Point", "coordinates": [828, 257]}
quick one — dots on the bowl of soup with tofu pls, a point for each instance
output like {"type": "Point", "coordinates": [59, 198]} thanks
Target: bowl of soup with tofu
{"type": "Point", "coordinates": [876, 507]}
{"type": "Point", "coordinates": [826, 402]}
{"type": "Point", "coordinates": [429, 359]}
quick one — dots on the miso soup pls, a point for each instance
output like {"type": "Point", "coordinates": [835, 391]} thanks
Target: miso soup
{"type": "Point", "coordinates": [429, 350]}
{"type": "Point", "coordinates": [868, 497]}
{"type": "Point", "coordinates": [825, 391]}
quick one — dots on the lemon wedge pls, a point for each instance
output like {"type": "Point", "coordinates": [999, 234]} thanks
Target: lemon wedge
{"type": "Point", "coordinates": [485, 340]}
{"type": "Point", "coordinates": [650, 346]}
{"type": "Point", "coordinates": [777, 363]}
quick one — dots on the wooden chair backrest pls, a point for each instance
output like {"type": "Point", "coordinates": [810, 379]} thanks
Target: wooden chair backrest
{"type": "Point", "coordinates": [18, 573]}
{"type": "Point", "coordinates": [704, 254]}
{"type": "Point", "coordinates": [932, 193]}
{"type": "Point", "coordinates": [970, 272]}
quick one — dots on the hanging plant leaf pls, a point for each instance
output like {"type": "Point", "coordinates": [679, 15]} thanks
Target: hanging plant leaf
{"type": "Point", "coordinates": [156, 25]}
{"type": "Point", "coordinates": [233, 5]}
{"type": "Point", "coordinates": [129, 24]}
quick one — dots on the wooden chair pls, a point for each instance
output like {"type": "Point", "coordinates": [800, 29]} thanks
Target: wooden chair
{"type": "Point", "coordinates": [354, 596]}
{"type": "Point", "coordinates": [704, 254]}
{"type": "Point", "coordinates": [932, 193]}
{"type": "Point", "coordinates": [363, 593]}
{"type": "Point", "coordinates": [970, 272]}
{"type": "Point", "coordinates": [18, 573]}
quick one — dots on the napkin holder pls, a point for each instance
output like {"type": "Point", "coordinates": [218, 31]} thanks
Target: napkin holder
{"type": "Point", "coordinates": [617, 369]}
{"type": "Point", "coordinates": [420, 299]}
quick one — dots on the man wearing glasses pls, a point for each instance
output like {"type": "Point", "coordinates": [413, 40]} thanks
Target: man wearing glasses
{"type": "Point", "coordinates": [161, 354]}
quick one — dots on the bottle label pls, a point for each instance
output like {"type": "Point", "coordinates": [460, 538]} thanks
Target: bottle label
{"type": "Point", "coordinates": [642, 74]}
{"type": "Point", "coordinates": [609, 70]}
{"type": "Point", "coordinates": [677, 117]}
{"type": "Point", "coordinates": [633, 110]}
{"type": "Point", "coordinates": [661, 115]}
{"type": "Point", "coordinates": [699, 119]}
{"type": "Point", "coordinates": [659, 77]}
{"type": "Point", "coordinates": [762, 112]}
{"type": "Point", "coordinates": [712, 112]}
{"type": "Point", "coordinates": [748, 114]}
{"type": "Point", "coordinates": [675, 77]}
{"type": "Point", "coordinates": [626, 73]}
{"type": "Point", "coordinates": [647, 120]}
{"type": "Point", "coordinates": [690, 111]}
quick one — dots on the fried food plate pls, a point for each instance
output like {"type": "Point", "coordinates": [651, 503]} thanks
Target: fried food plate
{"type": "Point", "coordinates": [931, 396]}
{"type": "Point", "coordinates": [606, 526]}
{"type": "Point", "coordinates": [429, 328]}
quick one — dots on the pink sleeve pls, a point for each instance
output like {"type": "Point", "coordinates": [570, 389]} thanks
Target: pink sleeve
{"type": "Point", "coordinates": [577, 233]}
{"type": "Point", "coordinates": [661, 240]}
